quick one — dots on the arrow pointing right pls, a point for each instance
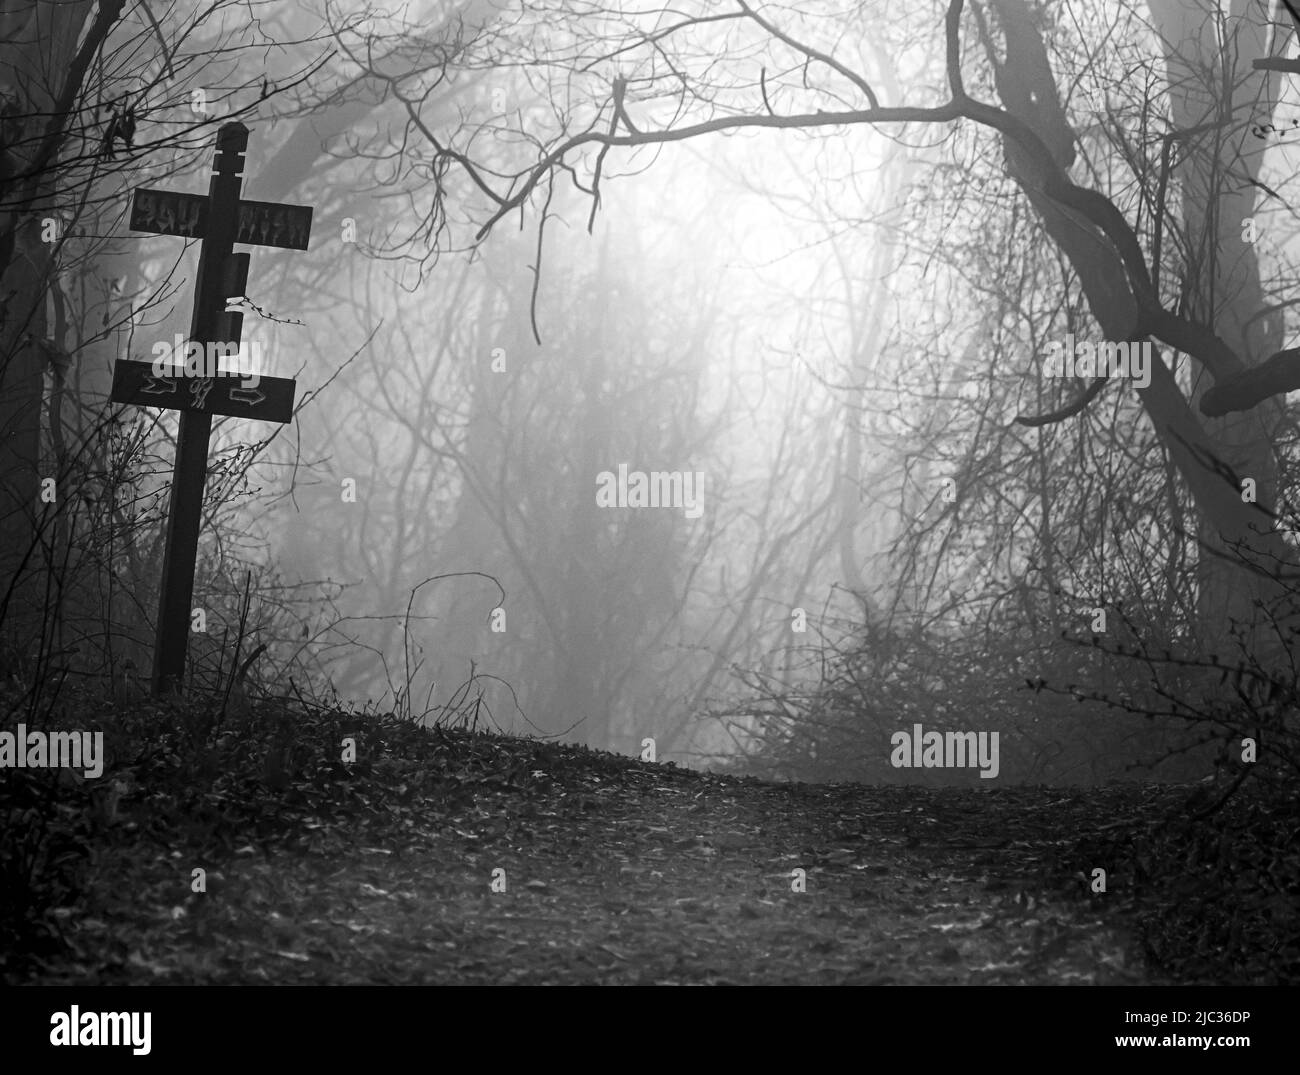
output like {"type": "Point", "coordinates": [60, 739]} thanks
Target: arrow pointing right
{"type": "Point", "coordinates": [251, 396]}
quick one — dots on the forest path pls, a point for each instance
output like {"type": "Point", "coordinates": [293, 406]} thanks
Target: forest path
{"type": "Point", "coordinates": [618, 871]}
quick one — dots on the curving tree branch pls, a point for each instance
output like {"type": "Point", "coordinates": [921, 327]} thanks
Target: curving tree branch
{"type": "Point", "coordinates": [1275, 376]}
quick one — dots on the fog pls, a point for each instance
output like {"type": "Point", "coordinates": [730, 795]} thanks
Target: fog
{"type": "Point", "coordinates": [672, 381]}
{"type": "Point", "coordinates": [584, 492]}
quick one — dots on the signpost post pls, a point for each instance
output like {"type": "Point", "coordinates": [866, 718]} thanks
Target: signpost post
{"type": "Point", "coordinates": [220, 220]}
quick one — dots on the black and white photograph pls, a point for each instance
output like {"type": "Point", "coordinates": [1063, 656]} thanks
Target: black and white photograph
{"type": "Point", "coordinates": [601, 493]}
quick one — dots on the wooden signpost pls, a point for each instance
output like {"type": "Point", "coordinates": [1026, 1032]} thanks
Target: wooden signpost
{"type": "Point", "coordinates": [220, 220]}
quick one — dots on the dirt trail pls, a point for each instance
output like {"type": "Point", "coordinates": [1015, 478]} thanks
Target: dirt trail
{"type": "Point", "coordinates": [622, 872]}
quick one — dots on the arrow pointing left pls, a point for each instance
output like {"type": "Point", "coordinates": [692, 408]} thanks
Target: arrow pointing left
{"type": "Point", "coordinates": [158, 386]}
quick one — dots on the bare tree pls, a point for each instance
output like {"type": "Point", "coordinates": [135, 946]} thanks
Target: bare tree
{"type": "Point", "coordinates": [682, 77]}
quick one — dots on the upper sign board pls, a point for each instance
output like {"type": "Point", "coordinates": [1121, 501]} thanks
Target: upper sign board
{"type": "Point", "coordinates": [171, 212]}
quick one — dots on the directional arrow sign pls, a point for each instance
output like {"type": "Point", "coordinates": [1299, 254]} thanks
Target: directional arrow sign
{"type": "Point", "coordinates": [173, 212]}
{"type": "Point", "coordinates": [136, 382]}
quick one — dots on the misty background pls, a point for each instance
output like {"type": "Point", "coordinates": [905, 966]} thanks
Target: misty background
{"type": "Point", "coordinates": [836, 325]}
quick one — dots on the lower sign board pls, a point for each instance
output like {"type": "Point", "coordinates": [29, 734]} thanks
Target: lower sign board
{"type": "Point", "coordinates": [269, 400]}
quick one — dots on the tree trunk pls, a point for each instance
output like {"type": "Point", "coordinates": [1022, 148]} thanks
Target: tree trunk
{"type": "Point", "coordinates": [38, 41]}
{"type": "Point", "coordinates": [1216, 172]}
{"type": "Point", "coordinates": [1230, 588]}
